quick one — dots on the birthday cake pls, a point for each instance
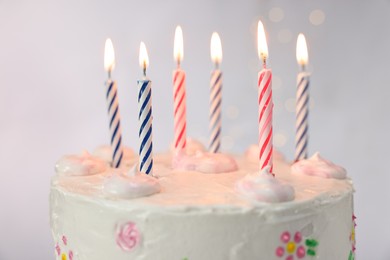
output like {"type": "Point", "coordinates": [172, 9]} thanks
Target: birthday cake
{"type": "Point", "coordinates": [193, 204]}
{"type": "Point", "coordinates": [99, 212]}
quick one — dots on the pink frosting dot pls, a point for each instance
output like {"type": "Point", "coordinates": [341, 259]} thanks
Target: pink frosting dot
{"type": "Point", "coordinates": [298, 237]}
{"type": "Point", "coordinates": [128, 236]}
{"type": "Point", "coordinates": [58, 250]}
{"type": "Point", "coordinates": [285, 237]}
{"type": "Point", "coordinates": [70, 255]}
{"type": "Point", "coordinates": [279, 251]}
{"type": "Point", "coordinates": [301, 252]}
{"type": "Point", "coordinates": [290, 257]}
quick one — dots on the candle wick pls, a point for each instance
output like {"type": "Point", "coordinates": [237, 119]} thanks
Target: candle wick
{"type": "Point", "coordinates": [303, 67]}
{"type": "Point", "coordinates": [178, 63]}
{"type": "Point", "coordinates": [216, 65]}
{"type": "Point", "coordinates": [144, 68]}
{"type": "Point", "coordinates": [264, 61]}
{"type": "Point", "coordinates": [109, 74]}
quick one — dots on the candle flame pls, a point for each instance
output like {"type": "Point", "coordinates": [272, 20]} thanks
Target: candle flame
{"type": "Point", "coordinates": [302, 55]}
{"type": "Point", "coordinates": [109, 56]}
{"type": "Point", "coordinates": [216, 48]}
{"type": "Point", "coordinates": [178, 51]}
{"type": "Point", "coordinates": [262, 47]}
{"type": "Point", "coordinates": [143, 56]}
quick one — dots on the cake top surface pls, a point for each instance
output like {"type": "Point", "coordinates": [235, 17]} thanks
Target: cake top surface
{"type": "Point", "coordinates": [191, 189]}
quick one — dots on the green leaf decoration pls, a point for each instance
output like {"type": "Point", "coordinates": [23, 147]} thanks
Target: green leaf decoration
{"type": "Point", "coordinates": [311, 243]}
{"type": "Point", "coordinates": [311, 252]}
{"type": "Point", "coordinates": [351, 256]}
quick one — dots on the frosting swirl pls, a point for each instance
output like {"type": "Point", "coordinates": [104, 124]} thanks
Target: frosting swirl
{"type": "Point", "coordinates": [132, 185]}
{"type": "Point", "coordinates": [80, 165]}
{"type": "Point", "coordinates": [318, 166]}
{"type": "Point", "coordinates": [192, 146]}
{"type": "Point", "coordinates": [253, 152]}
{"type": "Point", "coordinates": [264, 187]}
{"type": "Point", "coordinates": [205, 162]}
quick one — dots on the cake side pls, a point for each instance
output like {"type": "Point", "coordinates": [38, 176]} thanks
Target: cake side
{"type": "Point", "coordinates": [201, 216]}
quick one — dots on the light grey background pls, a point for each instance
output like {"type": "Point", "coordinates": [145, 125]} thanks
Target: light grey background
{"type": "Point", "coordinates": [52, 99]}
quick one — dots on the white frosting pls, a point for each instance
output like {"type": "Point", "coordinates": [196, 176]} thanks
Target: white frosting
{"type": "Point", "coordinates": [318, 166]}
{"type": "Point", "coordinates": [264, 187]}
{"type": "Point", "coordinates": [198, 216]}
{"type": "Point", "coordinates": [253, 152]}
{"type": "Point", "coordinates": [204, 162]}
{"type": "Point", "coordinates": [133, 185]}
{"type": "Point", "coordinates": [78, 165]}
{"type": "Point", "coordinates": [105, 153]}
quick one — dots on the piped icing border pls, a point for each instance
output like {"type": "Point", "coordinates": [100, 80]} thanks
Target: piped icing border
{"type": "Point", "coordinates": [104, 152]}
{"type": "Point", "coordinates": [132, 185]}
{"type": "Point", "coordinates": [204, 162]}
{"type": "Point", "coordinates": [264, 187]}
{"type": "Point", "coordinates": [80, 165]}
{"type": "Point", "coordinates": [318, 166]}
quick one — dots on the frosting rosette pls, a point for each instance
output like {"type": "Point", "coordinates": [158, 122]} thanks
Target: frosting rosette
{"type": "Point", "coordinates": [318, 166]}
{"type": "Point", "coordinates": [253, 152]}
{"type": "Point", "coordinates": [80, 165]}
{"type": "Point", "coordinates": [130, 186]}
{"type": "Point", "coordinates": [205, 162]}
{"type": "Point", "coordinates": [105, 153]}
{"type": "Point", "coordinates": [128, 236]}
{"type": "Point", "coordinates": [264, 187]}
{"type": "Point", "coordinates": [192, 146]}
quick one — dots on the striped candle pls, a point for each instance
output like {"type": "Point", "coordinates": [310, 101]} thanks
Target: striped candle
{"type": "Point", "coordinates": [302, 112]}
{"type": "Point", "coordinates": [179, 109]}
{"type": "Point", "coordinates": [179, 95]}
{"type": "Point", "coordinates": [215, 111]}
{"type": "Point", "coordinates": [113, 107]}
{"type": "Point", "coordinates": [145, 117]}
{"type": "Point", "coordinates": [265, 117]}
{"type": "Point", "coordinates": [265, 104]}
{"type": "Point", "coordinates": [302, 102]}
{"type": "Point", "coordinates": [215, 95]}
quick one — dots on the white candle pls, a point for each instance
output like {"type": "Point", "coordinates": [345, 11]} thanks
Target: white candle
{"type": "Point", "coordinates": [215, 95]}
{"type": "Point", "coordinates": [113, 106]}
{"type": "Point", "coordinates": [302, 101]}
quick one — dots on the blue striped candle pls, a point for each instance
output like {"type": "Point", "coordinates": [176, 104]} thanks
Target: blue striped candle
{"type": "Point", "coordinates": [113, 107]}
{"type": "Point", "coordinates": [145, 117]}
{"type": "Point", "coordinates": [215, 95]}
{"type": "Point", "coordinates": [302, 102]}
{"type": "Point", "coordinates": [302, 114]}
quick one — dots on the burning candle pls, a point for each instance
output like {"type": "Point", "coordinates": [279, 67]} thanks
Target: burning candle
{"type": "Point", "coordinates": [113, 107]}
{"type": "Point", "coordinates": [179, 94]}
{"type": "Point", "coordinates": [215, 95]}
{"type": "Point", "coordinates": [265, 102]}
{"type": "Point", "coordinates": [302, 101]}
{"type": "Point", "coordinates": [145, 115]}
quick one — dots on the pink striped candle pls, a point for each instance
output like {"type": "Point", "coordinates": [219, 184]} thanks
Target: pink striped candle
{"type": "Point", "coordinates": [179, 95]}
{"type": "Point", "coordinates": [265, 103]}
